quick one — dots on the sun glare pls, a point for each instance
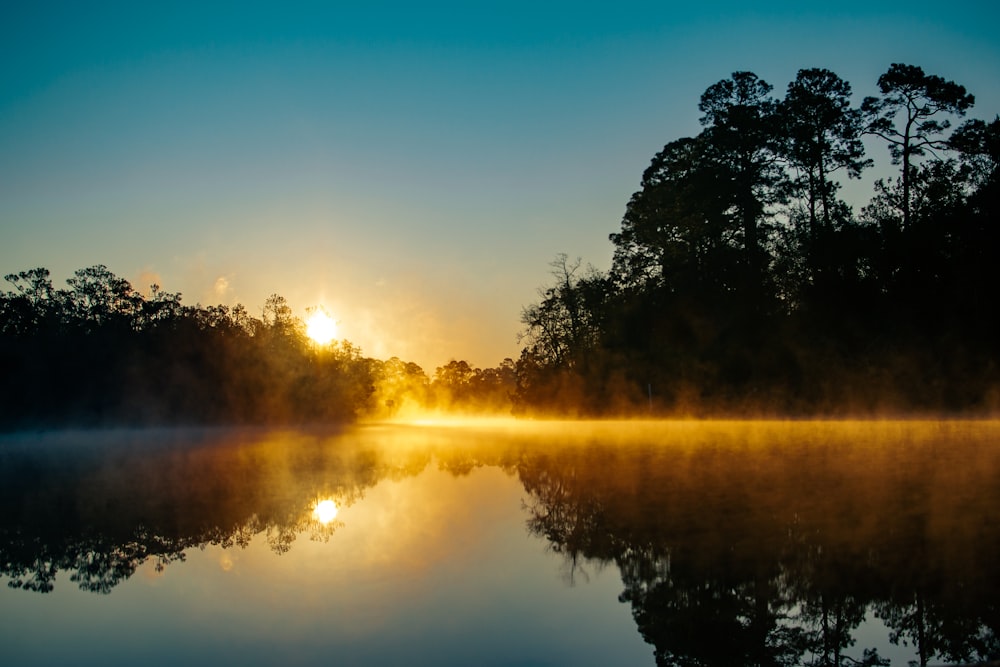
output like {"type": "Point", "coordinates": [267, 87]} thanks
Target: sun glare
{"type": "Point", "coordinates": [321, 327]}
{"type": "Point", "coordinates": [325, 511]}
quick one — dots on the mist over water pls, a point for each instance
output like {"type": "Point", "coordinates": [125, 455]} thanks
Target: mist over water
{"type": "Point", "coordinates": [679, 542]}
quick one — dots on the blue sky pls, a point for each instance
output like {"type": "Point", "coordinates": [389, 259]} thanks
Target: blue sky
{"type": "Point", "coordinates": [413, 167]}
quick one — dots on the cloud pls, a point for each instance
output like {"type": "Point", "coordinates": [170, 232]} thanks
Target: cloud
{"type": "Point", "coordinates": [147, 278]}
{"type": "Point", "coordinates": [221, 287]}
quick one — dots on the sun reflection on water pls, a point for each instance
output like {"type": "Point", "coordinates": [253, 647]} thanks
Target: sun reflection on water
{"type": "Point", "coordinates": [325, 511]}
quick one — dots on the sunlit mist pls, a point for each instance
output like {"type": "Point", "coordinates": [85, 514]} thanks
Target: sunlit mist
{"type": "Point", "coordinates": [325, 511]}
{"type": "Point", "coordinates": [321, 328]}
{"type": "Point", "coordinates": [585, 528]}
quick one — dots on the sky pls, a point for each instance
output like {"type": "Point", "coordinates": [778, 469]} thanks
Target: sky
{"type": "Point", "coordinates": [413, 168]}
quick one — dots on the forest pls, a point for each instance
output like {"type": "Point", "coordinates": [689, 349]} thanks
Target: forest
{"type": "Point", "coordinates": [742, 284]}
{"type": "Point", "coordinates": [99, 353]}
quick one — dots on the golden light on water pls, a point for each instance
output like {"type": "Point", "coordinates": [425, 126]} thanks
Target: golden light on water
{"type": "Point", "coordinates": [325, 511]}
{"type": "Point", "coordinates": [321, 327]}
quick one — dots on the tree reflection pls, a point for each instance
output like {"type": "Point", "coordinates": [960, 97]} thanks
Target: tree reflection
{"type": "Point", "coordinates": [100, 510]}
{"type": "Point", "coordinates": [94, 564]}
{"type": "Point", "coordinates": [828, 624]}
{"type": "Point", "coordinates": [928, 624]}
{"type": "Point", "coordinates": [740, 551]}
{"type": "Point", "coordinates": [753, 544]}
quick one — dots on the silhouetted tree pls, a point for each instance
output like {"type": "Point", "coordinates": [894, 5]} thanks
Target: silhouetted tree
{"type": "Point", "coordinates": [823, 135]}
{"type": "Point", "coordinates": [978, 144]}
{"type": "Point", "coordinates": [101, 298]}
{"type": "Point", "coordinates": [741, 123]}
{"type": "Point", "coordinates": [676, 233]}
{"type": "Point", "coordinates": [740, 281]}
{"type": "Point", "coordinates": [398, 384]}
{"type": "Point", "coordinates": [565, 326]}
{"type": "Point", "coordinates": [100, 352]}
{"type": "Point", "coordinates": [461, 387]}
{"type": "Point", "coordinates": [906, 117]}
{"type": "Point", "coordinates": [453, 382]}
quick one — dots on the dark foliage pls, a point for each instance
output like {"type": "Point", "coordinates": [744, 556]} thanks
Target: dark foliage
{"type": "Point", "coordinates": [102, 353]}
{"type": "Point", "coordinates": [742, 284]}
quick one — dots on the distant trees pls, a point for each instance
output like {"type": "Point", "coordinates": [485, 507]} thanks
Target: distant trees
{"type": "Point", "coordinates": [99, 352]}
{"type": "Point", "coordinates": [101, 299]}
{"type": "Point", "coordinates": [397, 385]}
{"type": "Point", "coordinates": [740, 281]}
{"type": "Point", "coordinates": [459, 387]}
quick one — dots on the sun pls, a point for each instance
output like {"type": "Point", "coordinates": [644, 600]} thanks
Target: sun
{"type": "Point", "coordinates": [321, 327]}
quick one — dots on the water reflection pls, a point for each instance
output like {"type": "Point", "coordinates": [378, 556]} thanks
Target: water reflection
{"type": "Point", "coordinates": [737, 544]}
{"type": "Point", "coordinates": [767, 545]}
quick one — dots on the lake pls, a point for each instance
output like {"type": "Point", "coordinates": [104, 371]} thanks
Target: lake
{"type": "Point", "coordinates": [503, 543]}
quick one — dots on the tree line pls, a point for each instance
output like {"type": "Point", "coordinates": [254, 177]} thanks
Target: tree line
{"type": "Point", "coordinates": [742, 281]}
{"type": "Point", "coordinates": [98, 352]}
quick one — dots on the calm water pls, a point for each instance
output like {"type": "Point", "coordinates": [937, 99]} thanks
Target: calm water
{"type": "Point", "coordinates": [683, 543]}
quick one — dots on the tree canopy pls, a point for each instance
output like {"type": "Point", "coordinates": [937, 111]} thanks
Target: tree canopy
{"type": "Point", "coordinates": [742, 283]}
{"type": "Point", "coordinates": [101, 353]}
